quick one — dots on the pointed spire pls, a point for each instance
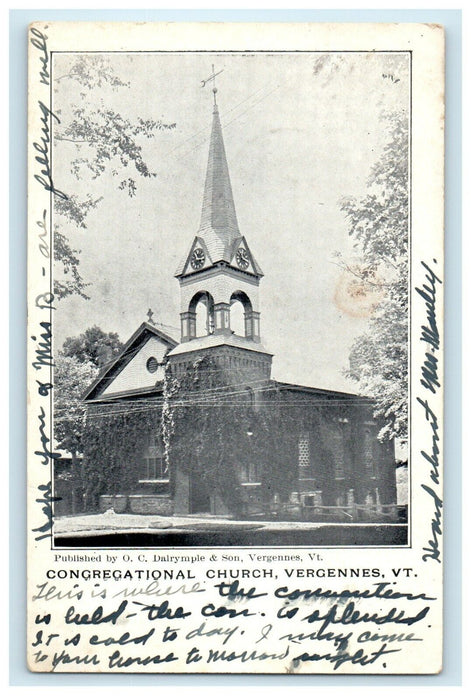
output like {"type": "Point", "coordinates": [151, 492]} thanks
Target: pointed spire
{"type": "Point", "coordinates": [218, 232]}
{"type": "Point", "coordinates": [218, 213]}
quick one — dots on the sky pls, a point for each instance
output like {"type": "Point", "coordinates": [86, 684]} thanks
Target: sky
{"type": "Point", "coordinates": [301, 131]}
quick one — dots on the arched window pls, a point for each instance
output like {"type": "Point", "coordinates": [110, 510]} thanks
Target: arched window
{"type": "Point", "coordinates": [250, 396]}
{"type": "Point", "coordinates": [202, 305]}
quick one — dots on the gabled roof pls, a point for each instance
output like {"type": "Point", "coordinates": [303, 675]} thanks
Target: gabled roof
{"type": "Point", "coordinates": [198, 242]}
{"type": "Point", "coordinates": [237, 243]}
{"type": "Point", "coordinates": [218, 228]}
{"type": "Point", "coordinates": [131, 348]}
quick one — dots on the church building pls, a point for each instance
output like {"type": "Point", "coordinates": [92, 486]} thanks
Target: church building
{"type": "Point", "coordinates": [204, 428]}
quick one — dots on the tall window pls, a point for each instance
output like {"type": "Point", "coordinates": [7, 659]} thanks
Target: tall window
{"type": "Point", "coordinates": [153, 461]}
{"type": "Point", "coordinates": [304, 456]}
{"type": "Point", "coordinates": [369, 454]}
{"type": "Point", "coordinates": [249, 474]}
{"type": "Point", "coordinates": [338, 452]}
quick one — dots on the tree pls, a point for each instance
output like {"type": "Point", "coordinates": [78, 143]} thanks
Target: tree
{"type": "Point", "coordinates": [67, 258]}
{"type": "Point", "coordinates": [106, 142]}
{"type": "Point", "coordinates": [76, 366]}
{"type": "Point", "coordinates": [71, 378]}
{"type": "Point", "coordinates": [379, 225]}
{"type": "Point", "coordinates": [93, 346]}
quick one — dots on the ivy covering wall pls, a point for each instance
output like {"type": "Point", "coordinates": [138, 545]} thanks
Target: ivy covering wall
{"type": "Point", "coordinates": [209, 422]}
{"type": "Point", "coordinates": [114, 438]}
{"type": "Point", "coordinates": [216, 427]}
{"type": "Point", "coordinates": [220, 425]}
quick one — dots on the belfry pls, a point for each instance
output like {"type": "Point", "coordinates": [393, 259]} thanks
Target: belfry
{"type": "Point", "coordinates": [218, 271]}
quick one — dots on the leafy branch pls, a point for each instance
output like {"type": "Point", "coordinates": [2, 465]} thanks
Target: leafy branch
{"type": "Point", "coordinates": [106, 142]}
{"type": "Point", "coordinates": [110, 136]}
{"type": "Point", "coordinates": [93, 71]}
{"type": "Point", "coordinates": [379, 224]}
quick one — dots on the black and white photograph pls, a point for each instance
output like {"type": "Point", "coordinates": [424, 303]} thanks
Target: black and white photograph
{"type": "Point", "coordinates": [231, 275]}
{"type": "Point", "coordinates": [235, 355]}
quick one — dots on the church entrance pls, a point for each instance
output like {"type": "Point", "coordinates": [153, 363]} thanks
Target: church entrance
{"type": "Point", "coordinates": [200, 501]}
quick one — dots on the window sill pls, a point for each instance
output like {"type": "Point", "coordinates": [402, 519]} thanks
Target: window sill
{"type": "Point", "coordinates": [154, 481]}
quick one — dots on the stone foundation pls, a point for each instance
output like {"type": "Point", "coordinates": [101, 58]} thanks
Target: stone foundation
{"type": "Point", "coordinates": [117, 502]}
{"type": "Point", "coordinates": [147, 504]}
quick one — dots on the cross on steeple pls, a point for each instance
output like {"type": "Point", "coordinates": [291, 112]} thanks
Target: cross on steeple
{"type": "Point", "coordinates": [150, 318]}
{"type": "Point", "coordinates": [213, 78]}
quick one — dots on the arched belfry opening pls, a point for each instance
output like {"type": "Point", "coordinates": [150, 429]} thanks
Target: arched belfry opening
{"type": "Point", "coordinates": [237, 317]}
{"type": "Point", "coordinates": [244, 320]}
{"type": "Point", "coordinates": [198, 321]}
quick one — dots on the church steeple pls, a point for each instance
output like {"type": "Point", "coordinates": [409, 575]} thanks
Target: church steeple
{"type": "Point", "coordinates": [218, 215]}
{"type": "Point", "coordinates": [219, 278]}
{"type": "Point", "coordinates": [218, 239]}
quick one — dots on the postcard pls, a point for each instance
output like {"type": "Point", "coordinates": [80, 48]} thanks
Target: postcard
{"type": "Point", "coordinates": [235, 348]}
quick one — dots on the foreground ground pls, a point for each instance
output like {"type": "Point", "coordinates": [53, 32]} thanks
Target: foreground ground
{"type": "Point", "coordinates": [125, 530]}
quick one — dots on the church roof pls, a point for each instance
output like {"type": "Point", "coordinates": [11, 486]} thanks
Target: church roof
{"type": "Point", "coordinates": [332, 393]}
{"type": "Point", "coordinates": [125, 357]}
{"type": "Point", "coordinates": [218, 228]}
{"type": "Point", "coordinates": [215, 340]}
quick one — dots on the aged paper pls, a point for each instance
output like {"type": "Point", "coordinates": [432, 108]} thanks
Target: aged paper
{"type": "Point", "coordinates": [235, 356]}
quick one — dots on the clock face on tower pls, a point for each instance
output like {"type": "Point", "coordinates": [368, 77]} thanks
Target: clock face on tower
{"type": "Point", "coordinates": [197, 259]}
{"type": "Point", "coordinates": [242, 259]}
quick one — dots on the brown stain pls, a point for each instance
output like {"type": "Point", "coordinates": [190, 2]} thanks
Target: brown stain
{"type": "Point", "coordinates": [357, 294]}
